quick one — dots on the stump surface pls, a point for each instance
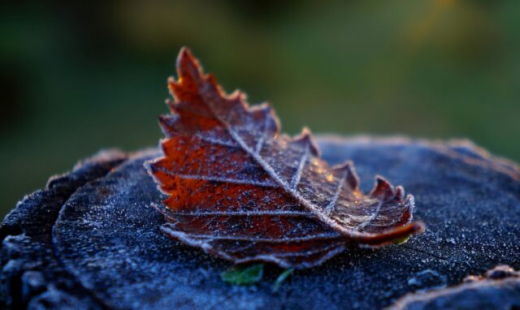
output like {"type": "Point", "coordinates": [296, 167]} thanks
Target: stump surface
{"type": "Point", "coordinates": [92, 238]}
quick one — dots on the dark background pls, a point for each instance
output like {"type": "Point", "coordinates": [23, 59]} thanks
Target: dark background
{"type": "Point", "coordinates": [76, 78]}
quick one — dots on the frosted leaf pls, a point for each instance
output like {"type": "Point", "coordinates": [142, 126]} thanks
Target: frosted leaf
{"type": "Point", "coordinates": [239, 189]}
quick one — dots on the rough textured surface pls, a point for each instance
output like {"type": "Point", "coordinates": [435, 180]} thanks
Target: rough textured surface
{"type": "Point", "coordinates": [106, 239]}
{"type": "Point", "coordinates": [31, 274]}
{"type": "Point", "coordinates": [499, 288]}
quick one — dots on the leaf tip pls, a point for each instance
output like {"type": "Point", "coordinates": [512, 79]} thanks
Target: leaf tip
{"type": "Point", "coordinates": [188, 68]}
{"type": "Point", "coordinates": [348, 171]}
{"type": "Point", "coordinates": [305, 139]}
{"type": "Point", "coordinates": [382, 188]}
{"type": "Point", "coordinates": [399, 193]}
{"type": "Point", "coordinates": [184, 55]}
{"type": "Point", "coordinates": [166, 123]}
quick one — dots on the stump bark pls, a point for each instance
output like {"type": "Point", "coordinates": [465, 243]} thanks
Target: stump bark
{"type": "Point", "coordinates": [91, 239]}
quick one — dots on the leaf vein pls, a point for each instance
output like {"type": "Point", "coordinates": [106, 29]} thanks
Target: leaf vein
{"type": "Point", "coordinates": [334, 199]}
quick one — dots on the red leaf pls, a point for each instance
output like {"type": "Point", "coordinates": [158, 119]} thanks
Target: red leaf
{"type": "Point", "coordinates": [239, 189]}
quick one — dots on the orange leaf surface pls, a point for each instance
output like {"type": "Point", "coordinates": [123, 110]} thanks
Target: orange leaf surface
{"type": "Point", "coordinates": [239, 189]}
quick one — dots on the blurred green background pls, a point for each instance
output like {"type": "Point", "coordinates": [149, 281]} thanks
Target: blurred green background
{"type": "Point", "coordinates": [76, 78]}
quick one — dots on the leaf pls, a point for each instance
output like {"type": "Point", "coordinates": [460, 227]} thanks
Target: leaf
{"type": "Point", "coordinates": [243, 275]}
{"type": "Point", "coordinates": [281, 278]}
{"type": "Point", "coordinates": [239, 189]}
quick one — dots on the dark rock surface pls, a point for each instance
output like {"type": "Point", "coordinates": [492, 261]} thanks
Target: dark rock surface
{"type": "Point", "coordinates": [106, 251]}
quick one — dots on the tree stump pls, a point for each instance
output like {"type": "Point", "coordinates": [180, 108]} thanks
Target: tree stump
{"type": "Point", "coordinates": [91, 239]}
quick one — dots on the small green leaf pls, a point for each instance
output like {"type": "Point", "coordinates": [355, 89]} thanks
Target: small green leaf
{"type": "Point", "coordinates": [281, 278]}
{"type": "Point", "coordinates": [243, 275]}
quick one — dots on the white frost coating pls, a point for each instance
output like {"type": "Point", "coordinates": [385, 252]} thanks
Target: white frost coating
{"type": "Point", "coordinates": [307, 253]}
{"type": "Point", "coordinates": [280, 259]}
{"type": "Point", "coordinates": [265, 240]}
{"type": "Point", "coordinates": [272, 173]}
{"type": "Point", "coordinates": [204, 245]}
{"type": "Point", "coordinates": [332, 203]}
{"type": "Point", "coordinates": [261, 140]}
{"type": "Point", "coordinates": [242, 213]}
{"type": "Point", "coordinates": [217, 179]}
{"type": "Point", "coordinates": [215, 141]}
{"type": "Point", "coordinates": [297, 176]}
{"type": "Point", "coordinates": [371, 217]}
